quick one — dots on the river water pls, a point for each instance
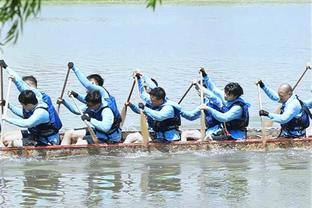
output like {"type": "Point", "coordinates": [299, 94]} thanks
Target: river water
{"type": "Point", "coordinates": [234, 42]}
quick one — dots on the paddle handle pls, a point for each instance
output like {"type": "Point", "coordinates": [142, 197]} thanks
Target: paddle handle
{"type": "Point", "coordinates": [131, 91]}
{"type": "Point", "coordinates": [6, 107]}
{"type": "Point", "coordinates": [305, 71]}
{"type": "Point", "coordinates": [202, 113]}
{"type": "Point", "coordinates": [261, 119]}
{"type": "Point", "coordinates": [1, 71]}
{"type": "Point", "coordinates": [188, 89]}
{"type": "Point", "coordinates": [63, 90]}
{"type": "Point", "coordinates": [92, 133]}
{"type": "Point", "coordinates": [143, 125]}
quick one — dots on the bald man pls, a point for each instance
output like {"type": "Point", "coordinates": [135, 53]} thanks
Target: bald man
{"type": "Point", "coordinates": [293, 116]}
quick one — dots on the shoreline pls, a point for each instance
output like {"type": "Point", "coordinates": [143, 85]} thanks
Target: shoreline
{"type": "Point", "coordinates": [173, 2]}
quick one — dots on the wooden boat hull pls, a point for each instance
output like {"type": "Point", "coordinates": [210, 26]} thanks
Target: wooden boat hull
{"type": "Point", "coordinates": [251, 144]}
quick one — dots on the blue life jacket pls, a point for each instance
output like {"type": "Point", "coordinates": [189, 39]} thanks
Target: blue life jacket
{"type": "Point", "coordinates": [111, 102]}
{"type": "Point", "coordinates": [167, 124]}
{"type": "Point", "coordinates": [298, 124]}
{"type": "Point", "coordinates": [42, 130]}
{"type": "Point", "coordinates": [243, 121]}
{"type": "Point", "coordinates": [54, 117]}
{"type": "Point", "coordinates": [209, 119]}
{"type": "Point", "coordinates": [98, 116]}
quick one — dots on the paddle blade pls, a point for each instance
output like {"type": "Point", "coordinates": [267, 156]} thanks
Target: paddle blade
{"type": "Point", "coordinates": [202, 125]}
{"type": "Point", "coordinates": [144, 128]}
{"type": "Point", "coordinates": [123, 114]}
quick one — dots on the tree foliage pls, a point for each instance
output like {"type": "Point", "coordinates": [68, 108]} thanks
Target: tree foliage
{"type": "Point", "coordinates": [152, 3]}
{"type": "Point", "coordinates": [13, 14]}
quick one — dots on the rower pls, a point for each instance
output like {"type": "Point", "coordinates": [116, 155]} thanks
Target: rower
{"type": "Point", "coordinates": [163, 117]}
{"type": "Point", "coordinates": [101, 118]}
{"type": "Point", "coordinates": [213, 126]}
{"type": "Point", "coordinates": [94, 82]}
{"type": "Point", "coordinates": [234, 113]}
{"type": "Point", "coordinates": [30, 83]}
{"type": "Point", "coordinates": [293, 118]}
{"type": "Point", "coordinates": [35, 117]}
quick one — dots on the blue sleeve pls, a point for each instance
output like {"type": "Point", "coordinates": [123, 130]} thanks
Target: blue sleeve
{"type": "Point", "coordinates": [21, 85]}
{"type": "Point", "coordinates": [271, 93]}
{"type": "Point", "coordinates": [72, 108]}
{"type": "Point", "coordinates": [191, 115]}
{"type": "Point", "coordinates": [16, 110]}
{"type": "Point", "coordinates": [81, 98]}
{"type": "Point", "coordinates": [148, 81]}
{"type": "Point", "coordinates": [107, 121]}
{"type": "Point", "coordinates": [309, 103]}
{"type": "Point", "coordinates": [234, 113]}
{"type": "Point", "coordinates": [209, 96]}
{"type": "Point", "coordinates": [213, 88]}
{"type": "Point", "coordinates": [166, 112]}
{"type": "Point", "coordinates": [88, 85]}
{"type": "Point", "coordinates": [291, 110]}
{"type": "Point", "coordinates": [143, 94]}
{"type": "Point", "coordinates": [134, 108]}
{"type": "Point", "coordinates": [39, 116]}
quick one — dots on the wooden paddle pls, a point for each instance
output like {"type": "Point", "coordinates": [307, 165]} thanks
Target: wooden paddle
{"type": "Point", "coordinates": [1, 68]}
{"type": "Point", "coordinates": [143, 126]}
{"type": "Point", "coordinates": [93, 135]}
{"type": "Point", "coordinates": [264, 138]}
{"type": "Point", "coordinates": [188, 89]}
{"type": "Point", "coordinates": [63, 90]}
{"type": "Point", "coordinates": [202, 113]}
{"type": "Point", "coordinates": [278, 109]}
{"type": "Point", "coordinates": [5, 108]}
{"type": "Point", "coordinates": [123, 112]}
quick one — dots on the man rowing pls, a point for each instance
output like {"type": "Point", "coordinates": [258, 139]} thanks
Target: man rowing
{"type": "Point", "coordinates": [163, 115]}
{"type": "Point", "coordinates": [42, 130]}
{"type": "Point", "coordinates": [99, 115]}
{"type": "Point", "coordinates": [293, 118]}
{"type": "Point", "coordinates": [234, 113]}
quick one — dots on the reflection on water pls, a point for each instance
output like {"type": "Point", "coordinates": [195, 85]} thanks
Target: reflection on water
{"type": "Point", "coordinates": [236, 179]}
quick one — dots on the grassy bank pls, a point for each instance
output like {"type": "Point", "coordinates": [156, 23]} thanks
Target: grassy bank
{"type": "Point", "coordinates": [196, 2]}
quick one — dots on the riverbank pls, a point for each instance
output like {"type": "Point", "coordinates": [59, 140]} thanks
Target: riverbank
{"type": "Point", "coordinates": [185, 2]}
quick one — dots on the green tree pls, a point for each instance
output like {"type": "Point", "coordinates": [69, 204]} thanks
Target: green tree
{"type": "Point", "coordinates": [13, 14]}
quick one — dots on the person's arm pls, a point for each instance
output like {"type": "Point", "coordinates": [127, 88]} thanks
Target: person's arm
{"type": "Point", "coordinates": [166, 112]}
{"type": "Point", "coordinates": [88, 85]}
{"type": "Point", "coordinates": [81, 98]}
{"type": "Point", "coordinates": [213, 88]}
{"type": "Point", "coordinates": [290, 111]}
{"type": "Point", "coordinates": [107, 121]}
{"type": "Point", "coordinates": [234, 113]}
{"type": "Point", "coordinates": [308, 103]}
{"type": "Point", "coordinates": [271, 93]}
{"type": "Point", "coordinates": [134, 108]}
{"type": "Point", "coordinates": [191, 115]}
{"type": "Point", "coordinates": [16, 110]}
{"type": "Point", "coordinates": [143, 94]}
{"type": "Point", "coordinates": [21, 85]}
{"type": "Point", "coordinates": [148, 81]}
{"type": "Point", "coordinates": [72, 108]}
{"type": "Point", "coordinates": [39, 116]}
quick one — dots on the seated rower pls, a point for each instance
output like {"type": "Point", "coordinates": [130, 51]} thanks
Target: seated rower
{"type": "Point", "coordinates": [293, 118]}
{"type": "Point", "coordinates": [234, 113]}
{"type": "Point", "coordinates": [36, 118]}
{"type": "Point", "coordinates": [95, 82]}
{"type": "Point", "coordinates": [30, 83]}
{"type": "Point", "coordinates": [162, 116]}
{"type": "Point", "coordinates": [101, 118]}
{"type": "Point", "coordinates": [213, 126]}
